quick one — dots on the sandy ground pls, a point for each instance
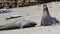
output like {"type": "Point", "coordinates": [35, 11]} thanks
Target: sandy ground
{"type": "Point", "coordinates": [33, 13]}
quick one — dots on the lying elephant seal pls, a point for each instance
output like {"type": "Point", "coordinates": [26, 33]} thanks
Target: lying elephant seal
{"type": "Point", "coordinates": [46, 18]}
{"type": "Point", "coordinates": [18, 24]}
{"type": "Point", "coordinates": [5, 10]}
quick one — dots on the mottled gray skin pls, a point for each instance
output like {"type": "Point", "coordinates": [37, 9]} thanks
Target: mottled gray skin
{"type": "Point", "coordinates": [18, 24]}
{"type": "Point", "coordinates": [46, 18]}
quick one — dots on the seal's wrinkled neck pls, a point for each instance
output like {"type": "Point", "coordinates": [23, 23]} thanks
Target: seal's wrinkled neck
{"type": "Point", "coordinates": [45, 10]}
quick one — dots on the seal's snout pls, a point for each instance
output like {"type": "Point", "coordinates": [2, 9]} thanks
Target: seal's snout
{"type": "Point", "coordinates": [45, 8]}
{"type": "Point", "coordinates": [34, 24]}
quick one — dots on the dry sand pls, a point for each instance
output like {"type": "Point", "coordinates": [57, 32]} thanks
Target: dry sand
{"type": "Point", "coordinates": [33, 13]}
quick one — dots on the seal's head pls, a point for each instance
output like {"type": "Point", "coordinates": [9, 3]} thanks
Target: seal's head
{"type": "Point", "coordinates": [33, 23]}
{"type": "Point", "coordinates": [45, 10]}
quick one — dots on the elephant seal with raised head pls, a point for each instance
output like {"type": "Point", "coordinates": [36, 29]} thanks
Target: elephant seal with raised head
{"type": "Point", "coordinates": [46, 18]}
{"type": "Point", "coordinates": [18, 24]}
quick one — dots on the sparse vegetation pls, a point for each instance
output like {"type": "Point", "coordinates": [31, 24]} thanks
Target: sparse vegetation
{"type": "Point", "coordinates": [21, 3]}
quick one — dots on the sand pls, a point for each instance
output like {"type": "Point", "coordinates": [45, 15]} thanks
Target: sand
{"type": "Point", "coordinates": [33, 13]}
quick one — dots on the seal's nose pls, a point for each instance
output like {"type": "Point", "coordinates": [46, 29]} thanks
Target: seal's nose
{"type": "Point", "coordinates": [34, 23]}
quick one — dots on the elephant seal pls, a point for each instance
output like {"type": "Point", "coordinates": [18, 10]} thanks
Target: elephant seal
{"type": "Point", "coordinates": [18, 24]}
{"type": "Point", "coordinates": [5, 10]}
{"type": "Point", "coordinates": [46, 18]}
